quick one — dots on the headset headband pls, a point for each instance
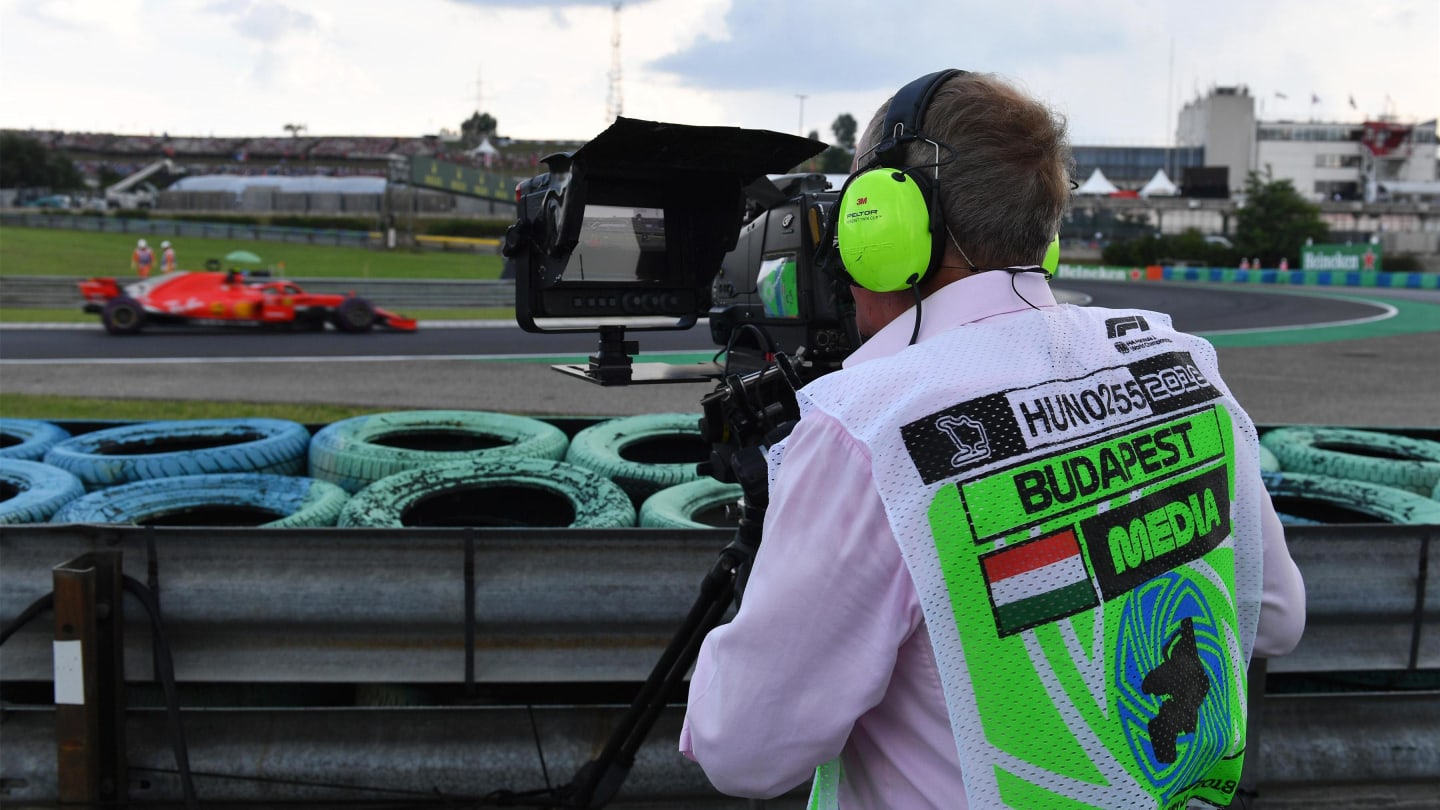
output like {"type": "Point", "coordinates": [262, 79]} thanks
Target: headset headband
{"type": "Point", "coordinates": [905, 115]}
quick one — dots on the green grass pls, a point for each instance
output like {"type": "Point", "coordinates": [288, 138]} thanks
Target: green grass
{"type": "Point", "coordinates": [54, 252]}
{"type": "Point", "coordinates": [53, 408]}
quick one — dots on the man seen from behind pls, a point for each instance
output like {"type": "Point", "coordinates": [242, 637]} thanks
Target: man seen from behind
{"type": "Point", "coordinates": [1018, 553]}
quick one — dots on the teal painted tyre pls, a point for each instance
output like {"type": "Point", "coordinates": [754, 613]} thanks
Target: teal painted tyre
{"type": "Point", "coordinates": [1268, 462]}
{"type": "Point", "coordinates": [358, 451]}
{"type": "Point", "coordinates": [168, 449]}
{"type": "Point", "coordinates": [700, 504]}
{"type": "Point", "coordinates": [1362, 455]}
{"type": "Point", "coordinates": [1304, 498]}
{"type": "Point", "coordinates": [30, 492]}
{"type": "Point", "coordinates": [502, 492]}
{"type": "Point", "coordinates": [643, 454]}
{"type": "Point", "coordinates": [240, 499]}
{"type": "Point", "coordinates": [28, 439]}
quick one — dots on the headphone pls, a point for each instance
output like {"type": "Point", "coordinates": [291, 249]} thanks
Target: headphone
{"type": "Point", "coordinates": [888, 223]}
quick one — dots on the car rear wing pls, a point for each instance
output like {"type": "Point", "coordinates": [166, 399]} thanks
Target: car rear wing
{"type": "Point", "coordinates": [100, 289]}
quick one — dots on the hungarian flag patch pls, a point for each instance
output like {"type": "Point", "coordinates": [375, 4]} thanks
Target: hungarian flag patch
{"type": "Point", "coordinates": [1038, 581]}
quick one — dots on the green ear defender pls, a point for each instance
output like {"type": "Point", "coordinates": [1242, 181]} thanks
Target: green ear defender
{"type": "Point", "coordinates": [1051, 262]}
{"type": "Point", "coordinates": [888, 224]}
{"type": "Point", "coordinates": [884, 230]}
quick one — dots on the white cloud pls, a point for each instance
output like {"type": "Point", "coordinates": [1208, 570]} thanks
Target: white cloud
{"type": "Point", "coordinates": [247, 67]}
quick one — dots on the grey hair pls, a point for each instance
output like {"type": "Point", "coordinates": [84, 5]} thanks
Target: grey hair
{"type": "Point", "coordinates": [1007, 181]}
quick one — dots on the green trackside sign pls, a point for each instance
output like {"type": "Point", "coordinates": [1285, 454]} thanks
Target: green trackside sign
{"type": "Point", "coordinates": [442, 175]}
{"type": "Point", "coordinates": [1340, 257]}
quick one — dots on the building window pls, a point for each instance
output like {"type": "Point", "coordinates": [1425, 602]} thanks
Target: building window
{"type": "Point", "coordinates": [1337, 190]}
{"type": "Point", "coordinates": [1337, 161]}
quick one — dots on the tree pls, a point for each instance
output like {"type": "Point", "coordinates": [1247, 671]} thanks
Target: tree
{"type": "Point", "coordinates": [27, 163]}
{"type": "Point", "coordinates": [295, 129]}
{"type": "Point", "coordinates": [476, 127]}
{"type": "Point", "coordinates": [1276, 221]}
{"type": "Point", "coordinates": [844, 128]}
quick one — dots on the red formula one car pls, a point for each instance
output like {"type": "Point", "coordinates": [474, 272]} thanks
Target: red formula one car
{"type": "Point", "coordinates": [231, 298]}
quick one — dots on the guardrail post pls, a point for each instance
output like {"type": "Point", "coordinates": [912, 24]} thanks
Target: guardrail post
{"type": "Point", "coordinates": [90, 679]}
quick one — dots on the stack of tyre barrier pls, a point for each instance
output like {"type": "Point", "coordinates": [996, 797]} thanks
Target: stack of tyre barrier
{"type": "Point", "coordinates": [407, 468]}
{"type": "Point", "coordinates": [1345, 475]}
{"type": "Point", "coordinates": [478, 468]}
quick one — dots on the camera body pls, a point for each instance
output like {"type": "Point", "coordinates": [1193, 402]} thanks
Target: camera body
{"type": "Point", "coordinates": [778, 290]}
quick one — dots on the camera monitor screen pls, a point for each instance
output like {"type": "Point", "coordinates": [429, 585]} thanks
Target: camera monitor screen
{"type": "Point", "coordinates": [776, 283]}
{"type": "Point", "coordinates": [619, 244]}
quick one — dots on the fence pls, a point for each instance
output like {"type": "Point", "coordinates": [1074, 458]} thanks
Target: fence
{"type": "Point", "coordinates": [180, 228]}
{"type": "Point", "coordinates": [460, 631]}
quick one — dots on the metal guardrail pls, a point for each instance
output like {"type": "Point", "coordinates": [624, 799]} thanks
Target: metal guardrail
{"type": "Point", "coordinates": [557, 609]}
{"type": "Point", "coordinates": [1312, 751]}
{"type": "Point", "coordinates": [388, 605]}
{"type": "Point", "coordinates": [59, 293]}
{"type": "Point", "coordinates": [380, 605]}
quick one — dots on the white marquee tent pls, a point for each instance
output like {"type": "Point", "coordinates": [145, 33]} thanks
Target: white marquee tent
{"type": "Point", "coordinates": [1097, 185]}
{"type": "Point", "coordinates": [1159, 186]}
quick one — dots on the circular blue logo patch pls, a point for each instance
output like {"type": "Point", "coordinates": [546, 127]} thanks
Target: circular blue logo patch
{"type": "Point", "coordinates": [1173, 681]}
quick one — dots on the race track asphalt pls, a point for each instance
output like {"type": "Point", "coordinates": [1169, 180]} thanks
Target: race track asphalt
{"type": "Point", "coordinates": [1372, 375]}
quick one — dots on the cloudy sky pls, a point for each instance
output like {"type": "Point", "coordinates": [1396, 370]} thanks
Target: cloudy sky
{"type": "Point", "coordinates": [1118, 69]}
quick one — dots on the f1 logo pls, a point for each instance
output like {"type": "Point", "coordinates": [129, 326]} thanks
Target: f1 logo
{"type": "Point", "coordinates": [1117, 327]}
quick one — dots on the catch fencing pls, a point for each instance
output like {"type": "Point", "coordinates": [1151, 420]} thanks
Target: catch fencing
{"type": "Point", "coordinates": [161, 228]}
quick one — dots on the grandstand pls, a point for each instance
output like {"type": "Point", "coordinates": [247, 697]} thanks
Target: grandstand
{"type": "Point", "coordinates": [326, 156]}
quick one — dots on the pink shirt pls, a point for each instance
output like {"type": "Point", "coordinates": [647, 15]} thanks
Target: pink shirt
{"type": "Point", "coordinates": [829, 654]}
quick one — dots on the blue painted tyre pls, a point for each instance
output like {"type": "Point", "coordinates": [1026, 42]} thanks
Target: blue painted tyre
{"type": "Point", "coordinates": [28, 439]}
{"type": "Point", "coordinates": [1362, 455]}
{"type": "Point", "coordinates": [30, 492]}
{"type": "Point", "coordinates": [501, 492]}
{"type": "Point", "coordinates": [361, 450]}
{"type": "Point", "coordinates": [235, 499]}
{"type": "Point", "coordinates": [704, 503]}
{"type": "Point", "coordinates": [1303, 498]}
{"type": "Point", "coordinates": [643, 454]}
{"type": "Point", "coordinates": [149, 450]}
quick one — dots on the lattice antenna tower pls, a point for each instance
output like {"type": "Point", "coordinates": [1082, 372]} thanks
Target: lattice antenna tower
{"type": "Point", "coordinates": [614, 101]}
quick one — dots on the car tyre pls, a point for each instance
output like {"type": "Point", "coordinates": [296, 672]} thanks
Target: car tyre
{"type": "Point", "coordinates": [704, 503]}
{"type": "Point", "coordinates": [169, 449]}
{"type": "Point", "coordinates": [358, 451]}
{"type": "Point", "coordinates": [644, 453]}
{"type": "Point", "coordinates": [234, 499]}
{"type": "Point", "coordinates": [123, 316]}
{"type": "Point", "coordinates": [30, 492]}
{"type": "Point", "coordinates": [1302, 498]}
{"type": "Point", "coordinates": [506, 492]}
{"type": "Point", "coordinates": [1378, 457]}
{"type": "Point", "coordinates": [28, 439]}
{"type": "Point", "coordinates": [354, 315]}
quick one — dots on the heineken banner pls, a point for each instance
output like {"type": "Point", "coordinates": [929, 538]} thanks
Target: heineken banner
{"type": "Point", "coordinates": [1364, 256]}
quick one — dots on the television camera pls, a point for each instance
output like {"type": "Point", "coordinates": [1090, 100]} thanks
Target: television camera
{"type": "Point", "coordinates": [653, 226]}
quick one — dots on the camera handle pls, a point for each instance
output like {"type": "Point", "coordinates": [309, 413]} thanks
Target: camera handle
{"type": "Point", "coordinates": [598, 780]}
